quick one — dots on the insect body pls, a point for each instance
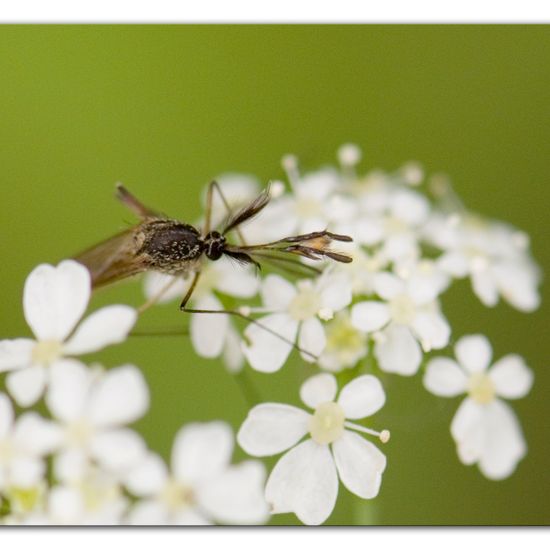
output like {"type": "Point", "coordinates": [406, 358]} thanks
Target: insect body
{"type": "Point", "coordinates": [159, 243]}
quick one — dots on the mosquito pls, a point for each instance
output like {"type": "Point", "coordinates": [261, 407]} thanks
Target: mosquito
{"type": "Point", "coordinates": [163, 244]}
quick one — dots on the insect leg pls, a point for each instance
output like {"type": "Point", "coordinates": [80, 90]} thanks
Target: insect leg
{"type": "Point", "coordinates": [190, 290]}
{"type": "Point", "coordinates": [156, 297]}
{"type": "Point", "coordinates": [241, 315]}
{"type": "Point", "coordinates": [134, 204]}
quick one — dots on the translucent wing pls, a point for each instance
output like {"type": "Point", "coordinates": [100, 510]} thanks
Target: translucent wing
{"type": "Point", "coordinates": [113, 259]}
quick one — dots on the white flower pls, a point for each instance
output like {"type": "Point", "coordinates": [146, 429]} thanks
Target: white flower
{"type": "Point", "coordinates": [493, 254]}
{"type": "Point", "coordinates": [91, 409]}
{"type": "Point", "coordinates": [305, 479]}
{"type": "Point", "coordinates": [54, 300]}
{"type": "Point", "coordinates": [211, 334]}
{"type": "Point", "coordinates": [23, 443]}
{"type": "Point", "coordinates": [485, 428]}
{"type": "Point", "coordinates": [345, 344]}
{"type": "Point", "coordinates": [409, 315]}
{"type": "Point", "coordinates": [294, 312]}
{"type": "Point", "coordinates": [203, 487]}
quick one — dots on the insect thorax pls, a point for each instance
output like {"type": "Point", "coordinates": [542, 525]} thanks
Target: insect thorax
{"type": "Point", "coordinates": [171, 246]}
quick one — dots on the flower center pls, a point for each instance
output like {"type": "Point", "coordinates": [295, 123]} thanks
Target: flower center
{"type": "Point", "coordinates": [79, 433]}
{"type": "Point", "coordinates": [481, 388]}
{"type": "Point", "coordinates": [402, 309]}
{"type": "Point", "coordinates": [327, 423]}
{"type": "Point", "coordinates": [176, 495]}
{"type": "Point", "coordinates": [305, 304]}
{"type": "Point", "coordinates": [47, 351]}
{"type": "Point", "coordinates": [345, 340]}
{"type": "Point", "coordinates": [394, 225]}
{"type": "Point", "coordinates": [25, 499]}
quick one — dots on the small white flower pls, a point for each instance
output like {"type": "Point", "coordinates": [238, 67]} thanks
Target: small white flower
{"type": "Point", "coordinates": [294, 313]}
{"type": "Point", "coordinates": [203, 487]}
{"type": "Point", "coordinates": [305, 479]}
{"type": "Point", "coordinates": [485, 428]}
{"type": "Point", "coordinates": [91, 409]}
{"type": "Point", "coordinates": [54, 300]}
{"type": "Point", "coordinates": [406, 322]}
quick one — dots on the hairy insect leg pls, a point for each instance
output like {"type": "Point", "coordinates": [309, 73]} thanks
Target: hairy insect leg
{"type": "Point", "coordinates": [215, 186]}
{"type": "Point", "coordinates": [156, 297]}
{"type": "Point", "coordinates": [248, 319]}
{"type": "Point", "coordinates": [133, 203]}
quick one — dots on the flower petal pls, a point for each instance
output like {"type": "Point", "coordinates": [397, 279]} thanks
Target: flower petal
{"type": "Point", "coordinates": [484, 287]}
{"type": "Point", "coordinates": [67, 396]}
{"type": "Point", "coordinates": [71, 465]}
{"type": "Point", "coordinates": [208, 330]}
{"type": "Point", "coordinates": [467, 431]}
{"type": "Point", "coordinates": [511, 376]}
{"type": "Point", "coordinates": [106, 326]}
{"type": "Point", "coordinates": [362, 397]}
{"type": "Point", "coordinates": [148, 477]}
{"type": "Point", "coordinates": [121, 396]}
{"type": "Point", "coordinates": [444, 377]}
{"type": "Point", "coordinates": [304, 481]}
{"type": "Point", "coordinates": [26, 471]}
{"type": "Point", "coordinates": [398, 351]}
{"type": "Point", "coordinates": [154, 283]}
{"type": "Point", "coordinates": [266, 352]}
{"type": "Point", "coordinates": [117, 450]}
{"type": "Point", "coordinates": [336, 291]}
{"type": "Point", "coordinates": [369, 316]}
{"type": "Point", "coordinates": [388, 285]}
{"type": "Point", "coordinates": [242, 283]}
{"type": "Point", "coordinates": [473, 353]}
{"type": "Point", "coordinates": [318, 389]}
{"type": "Point", "coordinates": [432, 329]}
{"type": "Point", "coordinates": [518, 285]}
{"type": "Point", "coordinates": [360, 464]}
{"type": "Point", "coordinates": [149, 512]}
{"type": "Point", "coordinates": [36, 435]}
{"type": "Point", "coordinates": [27, 385]}
{"type": "Point", "coordinates": [55, 298]}
{"type": "Point", "coordinates": [201, 451]}
{"type": "Point", "coordinates": [277, 292]}
{"type": "Point", "coordinates": [236, 496]}
{"type": "Point", "coordinates": [6, 416]}
{"type": "Point", "coordinates": [15, 354]}
{"type": "Point", "coordinates": [271, 428]}
{"type": "Point", "coordinates": [311, 339]}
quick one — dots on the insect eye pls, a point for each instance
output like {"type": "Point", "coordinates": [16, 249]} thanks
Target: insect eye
{"type": "Point", "coordinates": [215, 244]}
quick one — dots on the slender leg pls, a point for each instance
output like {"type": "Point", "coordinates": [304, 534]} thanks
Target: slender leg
{"type": "Point", "coordinates": [156, 297]}
{"type": "Point", "coordinates": [214, 186]}
{"type": "Point", "coordinates": [134, 204]}
{"type": "Point", "coordinates": [191, 290]}
{"type": "Point", "coordinates": [254, 322]}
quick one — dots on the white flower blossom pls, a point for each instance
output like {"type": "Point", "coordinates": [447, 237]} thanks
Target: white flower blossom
{"type": "Point", "coordinates": [91, 409]}
{"type": "Point", "coordinates": [485, 427]}
{"type": "Point", "coordinates": [54, 300]}
{"type": "Point", "coordinates": [294, 313]}
{"type": "Point", "coordinates": [305, 479]}
{"type": "Point", "coordinates": [203, 487]}
{"type": "Point", "coordinates": [408, 320]}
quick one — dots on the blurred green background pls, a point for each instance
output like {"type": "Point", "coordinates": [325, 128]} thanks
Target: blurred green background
{"type": "Point", "coordinates": [166, 108]}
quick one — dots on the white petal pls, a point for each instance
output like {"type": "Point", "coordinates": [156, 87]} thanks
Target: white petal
{"type": "Point", "coordinates": [154, 283]}
{"type": "Point", "coordinates": [336, 291]}
{"type": "Point", "coordinates": [148, 477]}
{"type": "Point", "coordinates": [444, 377]}
{"type": "Point", "coordinates": [277, 293]}
{"type": "Point", "coordinates": [388, 285]}
{"type": "Point", "coordinates": [149, 512]}
{"type": "Point", "coordinates": [370, 316]}
{"type": "Point", "coordinates": [208, 330]}
{"type": "Point", "coordinates": [512, 377]}
{"type": "Point", "coordinates": [484, 287]}
{"type": "Point", "coordinates": [15, 354]}
{"type": "Point", "coordinates": [235, 280]}
{"type": "Point", "coordinates": [71, 465]}
{"type": "Point", "coordinates": [121, 396]}
{"type": "Point", "coordinates": [36, 435]}
{"type": "Point", "coordinates": [67, 396]}
{"type": "Point", "coordinates": [453, 263]}
{"type": "Point", "coordinates": [266, 352]}
{"type": "Point", "coordinates": [473, 352]}
{"type": "Point", "coordinates": [467, 431]}
{"type": "Point", "coordinates": [55, 298]}
{"type": "Point", "coordinates": [117, 450]}
{"type": "Point", "coordinates": [6, 416]}
{"type": "Point", "coordinates": [304, 481]}
{"type": "Point", "coordinates": [237, 495]}
{"type": "Point", "coordinates": [233, 356]}
{"type": "Point", "coordinates": [518, 285]}
{"type": "Point", "coordinates": [409, 206]}
{"type": "Point", "coordinates": [271, 428]}
{"type": "Point", "coordinates": [432, 329]}
{"type": "Point", "coordinates": [189, 516]}
{"type": "Point", "coordinates": [27, 385]}
{"type": "Point", "coordinates": [504, 442]}
{"type": "Point", "coordinates": [66, 505]}
{"type": "Point", "coordinates": [362, 397]}
{"type": "Point", "coordinates": [398, 351]}
{"type": "Point", "coordinates": [106, 326]}
{"type": "Point", "coordinates": [360, 464]}
{"type": "Point", "coordinates": [201, 451]}
{"type": "Point", "coordinates": [311, 339]}
{"type": "Point", "coordinates": [26, 471]}
{"type": "Point", "coordinates": [318, 389]}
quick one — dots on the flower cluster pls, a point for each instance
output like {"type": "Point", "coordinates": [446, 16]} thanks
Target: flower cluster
{"type": "Point", "coordinates": [82, 464]}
